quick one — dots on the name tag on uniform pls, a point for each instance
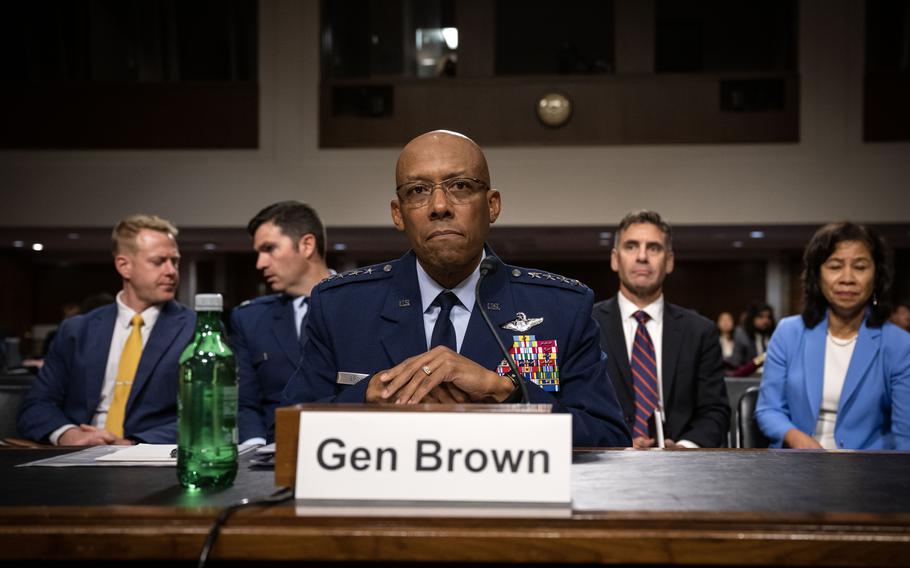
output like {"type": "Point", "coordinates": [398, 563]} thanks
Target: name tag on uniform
{"type": "Point", "coordinates": [345, 378]}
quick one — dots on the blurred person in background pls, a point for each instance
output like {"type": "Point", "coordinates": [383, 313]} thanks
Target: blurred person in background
{"type": "Point", "coordinates": [901, 315]}
{"type": "Point", "coordinates": [69, 310]}
{"type": "Point", "coordinates": [725, 326]}
{"type": "Point", "coordinates": [751, 339]}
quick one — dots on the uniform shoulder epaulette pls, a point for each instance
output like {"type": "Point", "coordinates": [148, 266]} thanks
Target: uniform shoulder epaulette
{"type": "Point", "coordinates": [260, 300]}
{"type": "Point", "coordinates": [364, 274]}
{"type": "Point", "coordinates": [544, 278]}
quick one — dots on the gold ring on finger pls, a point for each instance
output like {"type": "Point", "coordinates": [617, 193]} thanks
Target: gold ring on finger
{"type": "Point", "coordinates": [426, 370]}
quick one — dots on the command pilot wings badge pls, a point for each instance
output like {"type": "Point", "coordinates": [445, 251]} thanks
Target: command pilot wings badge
{"type": "Point", "coordinates": [522, 323]}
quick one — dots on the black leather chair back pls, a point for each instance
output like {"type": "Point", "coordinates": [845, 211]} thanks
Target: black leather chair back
{"type": "Point", "coordinates": [750, 436]}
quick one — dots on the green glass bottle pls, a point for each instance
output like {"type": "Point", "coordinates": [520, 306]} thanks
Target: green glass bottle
{"type": "Point", "coordinates": [207, 403]}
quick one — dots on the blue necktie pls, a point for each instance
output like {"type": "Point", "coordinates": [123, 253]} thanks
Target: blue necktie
{"type": "Point", "coordinates": [444, 331]}
{"type": "Point", "coordinates": [301, 333]}
{"type": "Point", "coordinates": [644, 376]}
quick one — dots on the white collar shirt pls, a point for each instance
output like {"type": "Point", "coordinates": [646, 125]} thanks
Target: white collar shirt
{"type": "Point", "coordinates": [460, 315]}
{"type": "Point", "coordinates": [655, 327]}
{"type": "Point", "coordinates": [301, 307]}
{"type": "Point", "coordinates": [122, 330]}
{"type": "Point", "coordinates": [118, 340]}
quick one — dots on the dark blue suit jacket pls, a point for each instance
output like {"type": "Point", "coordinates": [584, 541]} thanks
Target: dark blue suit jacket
{"type": "Point", "coordinates": [264, 340]}
{"type": "Point", "coordinates": [68, 387]}
{"type": "Point", "coordinates": [369, 320]}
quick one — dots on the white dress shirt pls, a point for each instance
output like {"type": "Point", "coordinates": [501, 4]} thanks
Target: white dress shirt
{"type": "Point", "coordinates": [301, 307]}
{"type": "Point", "coordinates": [460, 314]}
{"type": "Point", "coordinates": [655, 327]}
{"type": "Point", "coordinates": [122, 330]}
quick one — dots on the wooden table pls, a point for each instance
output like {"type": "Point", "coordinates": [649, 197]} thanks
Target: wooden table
{"type": "Point", "coordinates": [710, 507]}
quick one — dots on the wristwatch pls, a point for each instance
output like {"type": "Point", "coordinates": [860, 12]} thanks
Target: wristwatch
{"type": "Point", "coordinates": [515, 396]}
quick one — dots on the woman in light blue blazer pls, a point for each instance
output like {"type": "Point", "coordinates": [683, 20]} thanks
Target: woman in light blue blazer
{"type": "Point", "coordinates": [838, 376]}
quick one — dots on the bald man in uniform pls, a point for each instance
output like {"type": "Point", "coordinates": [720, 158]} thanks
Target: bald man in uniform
{"type": "Point", "coordinates": [410, 331]}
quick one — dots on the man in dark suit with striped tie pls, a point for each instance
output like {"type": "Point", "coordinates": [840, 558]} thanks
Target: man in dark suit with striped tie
{"type": "Point", "coordinates": [267, 333]}
{"type": "Point", "coordinates": [660, 356]}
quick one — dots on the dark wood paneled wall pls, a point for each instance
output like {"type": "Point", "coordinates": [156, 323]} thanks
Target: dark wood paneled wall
{"type": "Point", "coordinates": [126, 115]}
{"type": "Point", "coordinates": [646, 109]}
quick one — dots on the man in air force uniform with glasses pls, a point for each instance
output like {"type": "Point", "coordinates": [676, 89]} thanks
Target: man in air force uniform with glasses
{"type": "Point", "coordinates": [409, 330]}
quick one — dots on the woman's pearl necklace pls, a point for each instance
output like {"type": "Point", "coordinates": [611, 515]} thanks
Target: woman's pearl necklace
{"type": "Point", "coordinates": [841, 342]}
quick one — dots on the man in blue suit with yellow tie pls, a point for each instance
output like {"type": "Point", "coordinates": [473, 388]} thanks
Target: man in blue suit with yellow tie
{"type": "Point", "coordinates": [111, 375]}
{"type": "Point", "coordinates": [267, 333]}
{"type": "Point", "coordinates": [410, 330]}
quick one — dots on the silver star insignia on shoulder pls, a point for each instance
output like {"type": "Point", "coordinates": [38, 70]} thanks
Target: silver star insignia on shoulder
{"type": "Point", "coordinates": [522, 323]}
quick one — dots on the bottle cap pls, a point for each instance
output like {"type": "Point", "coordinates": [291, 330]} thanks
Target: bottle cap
{"type": "Point", "coordinates": [209, 302]}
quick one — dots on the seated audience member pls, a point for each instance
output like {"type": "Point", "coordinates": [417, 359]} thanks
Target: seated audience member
{"type": "Point", "coordinates": [725, 327]}
{"type": "Point", "coordinates": [838, 376]}
{"type": "Point", "coordinates": [659, 355]}
{"type": "Point", "coordinates": [95, 301]}
{"type": "Point", "coordinates": [110, 376]}
{"type": "Point", "coordinates": [901, 315]}
{"type": "Point", "coordinates": [267, 334]}
{"type": "Point", "coordinates": [749, 368]}
{"type": "Point", "coordinates": [410, 330]}
{"type": "Point", "coordinates": [70, 309]}
{"type": "Point", "coordinates": [751, 339]}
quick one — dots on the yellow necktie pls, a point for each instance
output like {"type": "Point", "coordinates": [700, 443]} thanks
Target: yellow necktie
{"type": "Point", "coordinates": [126, 372]}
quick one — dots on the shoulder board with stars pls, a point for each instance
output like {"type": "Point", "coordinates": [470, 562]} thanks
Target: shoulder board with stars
{"type": "Point", "coordinates": [268, 299]}
{"type": "Point", "coordinates": [532, 276]}
{"type": "Point", "coordinates": [366, 273]}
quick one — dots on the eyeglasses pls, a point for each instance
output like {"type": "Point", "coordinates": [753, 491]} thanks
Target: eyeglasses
{"type": "Point", "coordinates": [458, 190]}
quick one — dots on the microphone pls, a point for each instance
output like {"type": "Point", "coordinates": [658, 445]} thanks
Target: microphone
{"type": "Point", "coordinates": [489, 265]}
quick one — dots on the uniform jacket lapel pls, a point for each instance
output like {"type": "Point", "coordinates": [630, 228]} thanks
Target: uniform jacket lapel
{"type": "Point", "coordinates": [478, 345]}
{"type": "Point", "coordinates": [100, 332]}
{"type": "Point", "coordinates": [284, 328]}
{"type": "Point", "coordinates": [401, 331]}
{"type": "Point", "coordinates": [167, 328]}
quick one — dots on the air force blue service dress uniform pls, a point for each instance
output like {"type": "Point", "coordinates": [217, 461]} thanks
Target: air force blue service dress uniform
{"type": "Point", "coordinates": [368, 320]}
{"type": "Point", "coordinates": [268, 352]}
{"type": "Point", "coordinates": [874, 408]}
{"type": "Point", "coordinates": [68, 387]}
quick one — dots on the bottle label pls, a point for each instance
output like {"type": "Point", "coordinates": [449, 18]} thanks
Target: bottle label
{"type": "Point", "coordinates": [229, 401]}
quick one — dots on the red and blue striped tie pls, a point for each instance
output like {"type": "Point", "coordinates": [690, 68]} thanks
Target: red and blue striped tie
{"type": "Point", "coordinates": [644, 376]}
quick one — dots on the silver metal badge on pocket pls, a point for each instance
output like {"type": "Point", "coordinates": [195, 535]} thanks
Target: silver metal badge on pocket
{"type": "Point", "coordinates": [522, 323]}
{"type": "Point", "coordinates": [350, 378]}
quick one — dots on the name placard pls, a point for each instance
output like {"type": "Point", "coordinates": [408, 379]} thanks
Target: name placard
{"type": "Point", "coordinates": [434, 456]}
